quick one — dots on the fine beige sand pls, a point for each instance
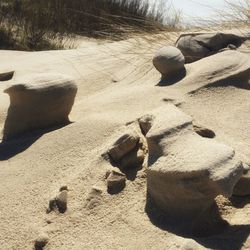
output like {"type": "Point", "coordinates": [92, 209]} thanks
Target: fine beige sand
{"type": "Point", "coordinates": [117, 84]}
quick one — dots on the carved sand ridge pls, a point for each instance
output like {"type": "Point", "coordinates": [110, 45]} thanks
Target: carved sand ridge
{"type": "Point", "coordinates": [186, 171]}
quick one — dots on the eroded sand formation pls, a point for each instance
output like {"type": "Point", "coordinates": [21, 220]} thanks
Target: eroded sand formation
{"type": "Point", "coordinates": [157, 160]}
{"type": "Point", "coordinates": [39, 101]}
{"type": "Point", "coordinates": [186, 172]}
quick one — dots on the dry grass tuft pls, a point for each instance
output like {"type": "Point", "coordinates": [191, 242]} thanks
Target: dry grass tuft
{"type": "Point", "coordinates": [35, 25]}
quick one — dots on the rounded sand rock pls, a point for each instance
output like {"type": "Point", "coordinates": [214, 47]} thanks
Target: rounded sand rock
{"type": "Point", "coordinates": [169, 61]}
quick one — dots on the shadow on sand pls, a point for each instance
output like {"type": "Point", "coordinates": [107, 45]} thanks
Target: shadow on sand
{"type": "Point", "coordinates": [170, 80]}
{"type": "Point", "coordinates": [240, 81]}
{"type": "Point", "coordinates": [11, 147]}
{"type": "Point", "coordinates": [223, 237]}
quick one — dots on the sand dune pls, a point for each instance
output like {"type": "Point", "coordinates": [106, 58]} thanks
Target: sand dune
{"type": "Point", "coordinates": [117, 84]}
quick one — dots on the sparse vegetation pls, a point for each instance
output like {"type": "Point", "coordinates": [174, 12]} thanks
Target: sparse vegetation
{"type": "Point", "coordinates": [239, 11]}
{"type": "Point", "coordinates": [35, 25]}
{"type": "Point", "coordinates": [235, 15]}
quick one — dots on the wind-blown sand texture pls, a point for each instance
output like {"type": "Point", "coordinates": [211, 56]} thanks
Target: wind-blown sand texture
{"type": "Point", "coordinates": [117, 84]}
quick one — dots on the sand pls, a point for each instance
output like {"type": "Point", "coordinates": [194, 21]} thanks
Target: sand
{"type": "Point", "coordinates": [116, 84]}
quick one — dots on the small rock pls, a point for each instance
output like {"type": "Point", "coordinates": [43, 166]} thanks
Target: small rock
{"type": "Point", "coordinates": [169, 61]}
{"type": "Point", "coordinates": [116, 182]}
{"type": "Point", "coordinates": [123, 145]}
{"type": "Point", "coordinates": [204, 132]}
{"type": "Point", "coordinates": [61, 201]}
{"type": "Point", "coordinates": [41, 241]}
{"type": "Point", "coordinates": [64, 187]}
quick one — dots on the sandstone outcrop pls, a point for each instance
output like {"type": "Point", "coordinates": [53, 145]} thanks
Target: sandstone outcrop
{"type": "Point", "coordinates": [199, 45]}
{"type": "Point", "coordinates": [169, 61]}
{"type": "Point", "coordinates": [186, 171]}
{"type": "Point", "coordinates": [39, 101]}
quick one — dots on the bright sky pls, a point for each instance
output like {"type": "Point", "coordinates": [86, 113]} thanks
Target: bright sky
{"type": "Point", "coordinates": [199, 8]}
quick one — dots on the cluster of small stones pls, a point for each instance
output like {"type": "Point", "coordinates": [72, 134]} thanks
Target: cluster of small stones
{"type": "Point", "coordinates": [126, 154]}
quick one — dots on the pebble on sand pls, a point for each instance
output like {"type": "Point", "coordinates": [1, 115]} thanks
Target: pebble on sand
{"type": "Point", "coordinates": [116, 182]}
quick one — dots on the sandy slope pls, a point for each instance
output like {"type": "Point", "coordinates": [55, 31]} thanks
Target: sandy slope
{"type": "Point", "coordinates": [117, 84]}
